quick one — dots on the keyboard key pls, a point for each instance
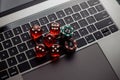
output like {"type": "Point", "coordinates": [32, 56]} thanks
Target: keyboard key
{"type": "Point", "coordinates": [76, 35]}
{"type": "Point", "coordinates": [99, 7]}
{"type": "Point", "coordinates": [16, 40]}
{"type": "Point", "coordinates": [104, 23]}
{"type": "Point", "coordinates": [4, 75]}
{"type": "Point", "coordinates": [26, 27]}
{"type": "Point", "coordinates": [101, 15]}
{"type": "Point", "coordinates": [68, 11]}
{"type": "Point", "coordinates": [35, 23]}
{"type": "Point", "coordinates": [39, 40]}
{"type": "Point", "coordinates": [91, 28]}
{"type": "Point", "coordinates": [1, 37]}
{"type": "Point", "coordinates": [44, 29]}
{"type": "Point", "coordinates": [8, 34]}
{"type": "Point", "coordinates": [25, 36]}
{"type": "Point", "coordinates": [11, 61]}
{"type": "Point", "coordinates": [92, 10]}
{"type": "Point", "coordinates": [84, 5]}
{"type": "Point", "coordinates": [48, 25]}
{"type": "Point", "coordinates": [81, 42]}
{"type": "Point", "coordinates": [90, 38]}
{"type": "Point", "coordinates": [76, 16]}
{"type": "Point", "coordinates": [26, 67]}
{"type": "Point", "coordinates": [31, 43]}
{"type": "Point", "coordinates": [68, 19]}
{"type": "Point", "coordinates": [13, 71]}
{"type": "Point", "coordinates": [93, 2]}
{"type": "Point", "coordinates": [17, 30]}
{"type": "Point", "coordinates": [13, 51]}
{"type": "Point", "coordinates": [84, 13]}
{"type": "Point", "coordinates": [83, 23]}
{"type": "Point", "coordinates": [98, 35]}
{"type": "Point", "coordinates": [1, 48]}
{"type": "Point", "coordinates": [60, 14]}
{"type": "Point", "coordinates": [30, 53]}
{"type": "Point", "coordinates": [91, 19]}
{"type": "Point", "coordinates": [105, 31]}
{"type": "Point", "coordinates": [75, 25]}
{"type": "Point", "coordinates": [22, 47]}
{"type": "Point", "coordinates": [35, 62]}
{"type": "Point", "coordinates": [7, 44]}
{"type": "Point", "coordinates": [113, 28]}
{"type": "Point", "coordinates": [43, 20]}
{"type": "Point", "coordinates": [52, 17]}
{"type": "Point", "coordinates": [61, 22]}
{"type": "Point", "coordinates": [4, 55]}
{"type": "Point", "coordinates": [76, 8]}
{"type": "Point", "coordinates": [3, 65]}
{"type": "Point", "coordinates": [83, 31]}
{"type": "Point", "coordinates": [21, 57]}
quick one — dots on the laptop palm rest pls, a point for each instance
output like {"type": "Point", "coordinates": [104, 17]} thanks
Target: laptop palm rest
{"type": "Point", "coordinates": [87, 64]}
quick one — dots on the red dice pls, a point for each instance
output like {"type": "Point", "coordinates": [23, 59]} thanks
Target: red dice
{"type": "Point", "coordinates": [55, 29]}
{"type": "Point", "coordinates": [55, 51]}
{"type": "Point", "coordinates": [40, 50]}
{"type": "Point", "coordinates": [49, 40]}
{"type": "Point", "coordinates": [36, 32]}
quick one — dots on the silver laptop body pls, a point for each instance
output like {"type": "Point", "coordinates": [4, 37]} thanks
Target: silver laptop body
{"type": "Point", "coordinates": [105, 41]}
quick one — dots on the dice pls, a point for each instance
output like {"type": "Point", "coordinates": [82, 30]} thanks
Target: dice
{"type": "Point", "coordinates": [36, 32]}
{"type": "Point", "coordinates": [55, 51]}
{"type": "Point", "coordinates": [55, 29]}
{"type": "Point", "coordinates": [40, 50]}
{"type": "Point", "coordinates": [49, 40]}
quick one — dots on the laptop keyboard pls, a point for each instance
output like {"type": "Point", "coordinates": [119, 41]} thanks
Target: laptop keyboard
{"type": "Point", "coordinates": [89, 19]}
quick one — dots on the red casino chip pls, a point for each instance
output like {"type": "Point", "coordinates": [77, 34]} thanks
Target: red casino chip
{"type": "Point", "coordinates": [70, 45]}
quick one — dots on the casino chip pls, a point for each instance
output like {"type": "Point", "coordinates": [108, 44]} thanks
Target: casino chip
{"type": "Point", "coordinates": [67, 31]}
{"type": "Point", "coordinates": [70, 45]}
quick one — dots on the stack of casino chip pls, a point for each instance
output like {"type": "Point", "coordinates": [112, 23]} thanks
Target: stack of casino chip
{"type": "Point", "coordinates": [67, 31]}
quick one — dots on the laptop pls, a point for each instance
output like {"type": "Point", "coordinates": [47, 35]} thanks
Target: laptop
{"type": "Point", "coordinates": [96, 24]}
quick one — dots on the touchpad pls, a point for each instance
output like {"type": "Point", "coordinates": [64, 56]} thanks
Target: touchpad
{"type": "Point", "coordinates": [87, 64]}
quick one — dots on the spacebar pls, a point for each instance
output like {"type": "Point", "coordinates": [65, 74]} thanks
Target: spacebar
{"type": "Point", "coordinates": [104, 23]}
